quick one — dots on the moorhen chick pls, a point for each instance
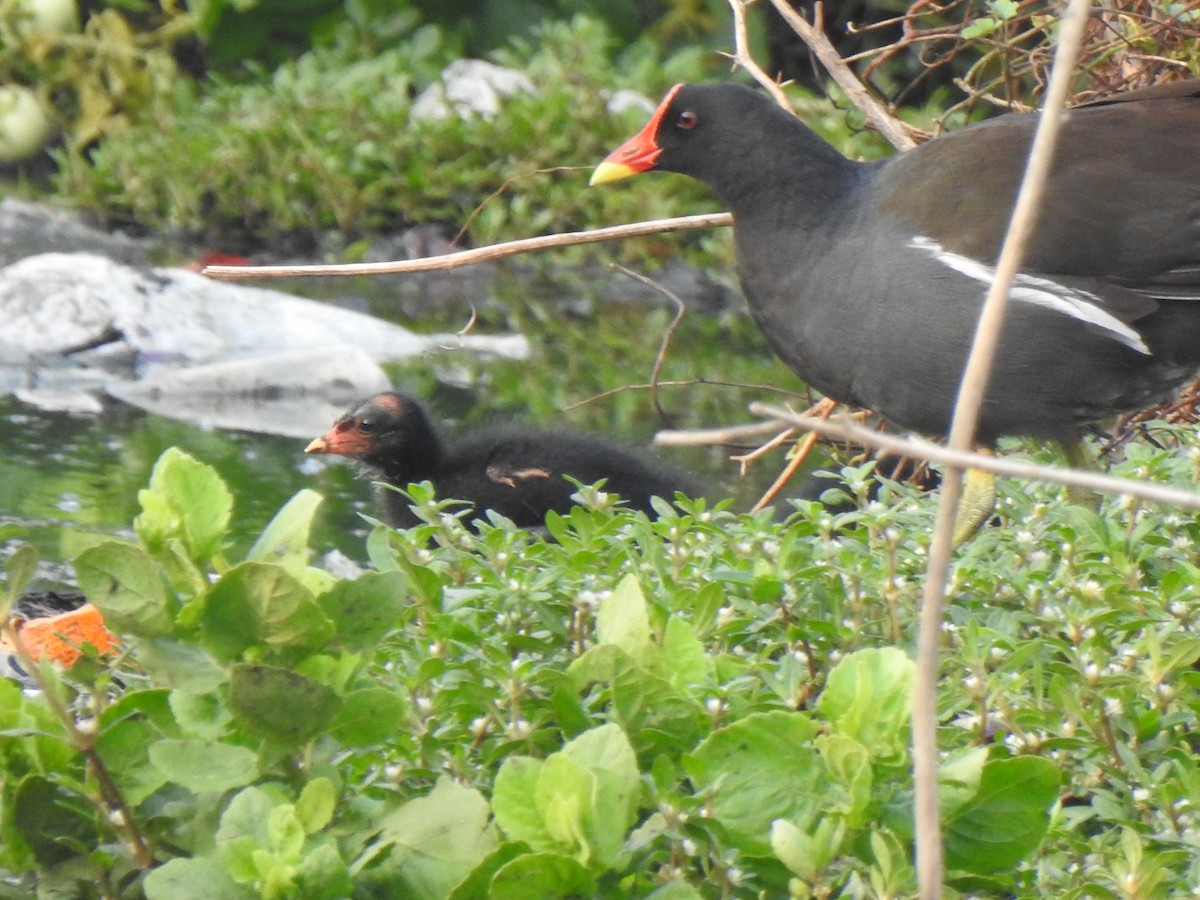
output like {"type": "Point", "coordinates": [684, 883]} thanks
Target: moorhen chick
{"type": "Point", "coordinates": [867, 278]}
{"type": "Point", "coordinates": [518, 472]}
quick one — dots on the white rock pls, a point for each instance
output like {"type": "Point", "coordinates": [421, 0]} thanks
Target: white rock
{"type": "Point", "coordinates": [469, 87]}
{"type": "Point", "coordinates": [73, 305]}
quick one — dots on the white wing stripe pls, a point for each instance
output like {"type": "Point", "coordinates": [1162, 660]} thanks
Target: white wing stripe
{"type": "Point", "coordinates": [1077, 304]}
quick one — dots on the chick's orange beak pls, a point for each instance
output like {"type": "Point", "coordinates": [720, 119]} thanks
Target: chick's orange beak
{"type": "Point", "coordinates": [345, 438]}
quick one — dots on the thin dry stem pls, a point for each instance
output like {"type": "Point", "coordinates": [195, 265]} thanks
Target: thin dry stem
{"type": "Point", "coordinates": [661, 357]}
{"type": "Point", "coordinates": [741, 54]}
{"type": "Point", "coordinates": [962, 430]}
{"type": "Point", "coordinates": [843, 428]}
{"type": "Point", "coordinates": [477, 255]}
{"type": "Point", "coordinates": [814, 37]}
{"type": "Point", "coordinates": [730, 434]}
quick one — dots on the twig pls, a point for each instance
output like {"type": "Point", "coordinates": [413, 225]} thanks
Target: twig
{"type": "Point", "coordinates": [823, 410]}
{"type": "Point", "coordinates": [478, 254]}
{"type": "Point", "coordinates": [741, 54]}
{"type": "Point", "coordinates": [691, 382]}
{"type": "Point", "coordinates": [708, 437]}
{"type": "Point", "coordinates": [846, 429]}
{"type": "Point", "coordinates": [744, 459]}
{"type": "Point", "coordinates": [661, 358]}
{"type": "Point", "coordinates": [962, 431]}
{"type": "Point", "coordinates": [813, 36]}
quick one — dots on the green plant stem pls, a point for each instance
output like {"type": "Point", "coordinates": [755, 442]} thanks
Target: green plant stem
{"type": "Point", "coordinates": [113, 802]}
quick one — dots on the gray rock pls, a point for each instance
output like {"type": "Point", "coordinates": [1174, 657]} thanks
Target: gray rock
{"type": "Point", "coordinates": [29, 228]}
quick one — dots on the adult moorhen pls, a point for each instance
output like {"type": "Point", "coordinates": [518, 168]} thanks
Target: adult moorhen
{"type": "Point", "coordinates": [867, 278]}
{"type": "Point", "coordinates": [518, 472]}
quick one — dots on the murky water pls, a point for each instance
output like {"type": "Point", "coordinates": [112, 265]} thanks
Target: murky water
{"type": "Point", "coordinates": [66, 478]}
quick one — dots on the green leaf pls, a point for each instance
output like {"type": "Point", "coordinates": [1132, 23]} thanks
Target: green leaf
{"type": "Point", "coordinates": [245, 818]}
{"type": "Point", "coordinates": [186, 501]}
{"type": "Point", "coordinates": [807, 853]}
{"type": "Point", "coordinates": [541, 876]}
{"type": "Point", "coordinates": [622, 620]}
{"type": "Point", "coordinates": [203, 715]}
{"type": "Point", "coordinates": [653, 712]}
{"type": "Point", "coordinates": [849, 767]}
{"type": "Point", "coordinates": [959, 778]}
{"type": "Point", "coordinates": [125, 585]}
{"type": "Point", "coordinates": [759, 769]}
{"type": "Point", "coordinates": [868, 697]}
{"type": "Point", "coordinates": [19, 572]}
{"type": "Point", "coordinates": [285, 539]}
{"type": "Point", "coordinates": [605, 753]}
{"type": "Point", "coordinates": [684, 661]}
{"type": "Point", "coordinates": [979, 28]}
{"type": "Point", "coordinates": [676, 890]}
{"type": "Point", "coordinates": [514, 803]}
{"type": "Point", "coordinates": [366, 609]}
{"type": "Point", "coordinates": [323, 875]}
{"type": "Point", "coordinates": [285, 833]}
{"type": "Point", "coordinates": [436, 841]}
{"type": "Point", "coordinates": [51, 820]}
{"type": "Point", "coordinates": [258, 604]}
{"type": "Point", "coordinates": [1007, 819]}
{"type": "Point", "coordinates": [580, 801]}
{"type": "Point", "coordinates": [199, 878]}
{"type": "Point", "coordinates": [180, 665]}
{"type": "Point", "coordinates": [562, 797]}
{"type": "Point", "coordinates": [314, 806]}
{"type": "Point", "coordinates": [475, 885]}
{"type": "Point", "coordinates": [368, 716]}
{"type": "Point", "coordinates": [278, 705]}
{"type": "Point", "coordinates": [203, 766]}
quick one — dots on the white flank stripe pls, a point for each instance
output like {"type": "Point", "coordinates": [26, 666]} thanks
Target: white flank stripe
{"type": "Point", "coordinates": [1081, 305]}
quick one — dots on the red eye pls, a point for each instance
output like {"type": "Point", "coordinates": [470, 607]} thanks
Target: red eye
{"type": "Point", "coordinates": [687, 119]}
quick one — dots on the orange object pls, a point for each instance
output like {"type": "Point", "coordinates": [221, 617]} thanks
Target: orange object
{"type": "Point", "coordinates": [60, 636]}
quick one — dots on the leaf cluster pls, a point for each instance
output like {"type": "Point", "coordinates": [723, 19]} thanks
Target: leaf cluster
{"type": "Point", "coordinates": [702, 705]}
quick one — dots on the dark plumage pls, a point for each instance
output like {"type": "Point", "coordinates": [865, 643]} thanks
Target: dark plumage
{"type": "Point", "coordinates": [867, 278]}
{"type": "Point", "coordinates": [518, 472]}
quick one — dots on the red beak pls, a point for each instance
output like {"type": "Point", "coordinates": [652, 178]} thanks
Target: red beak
{"type": "Point", "coordinates": [639, 153]}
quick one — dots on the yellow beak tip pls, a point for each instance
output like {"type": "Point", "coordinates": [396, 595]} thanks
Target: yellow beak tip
{"type": "Point", "coordinates": [317, 445]}
{"type": "Point", "coordinates": [607, 171]}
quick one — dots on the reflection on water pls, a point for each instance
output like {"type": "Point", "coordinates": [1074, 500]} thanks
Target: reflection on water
{"type": "Point", "coordinates": [66, 478]}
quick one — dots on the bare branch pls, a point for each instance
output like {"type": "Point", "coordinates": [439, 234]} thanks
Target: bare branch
{"type": "Point", "coordinates": [741, 54]}
{"type": "Point", "coordinates": [812, 35]}
{"type": "Point", "coordinates": [843, 428]}
{"type": "Point", "coordinates": [479, 254]}
{"type": "Point", "coordinates": [712, 436]}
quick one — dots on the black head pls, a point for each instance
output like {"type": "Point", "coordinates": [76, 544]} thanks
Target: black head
{"type": "Point", "coordinates": [387, 431]}
{"type": "Point", "coordinates": [724, 135]}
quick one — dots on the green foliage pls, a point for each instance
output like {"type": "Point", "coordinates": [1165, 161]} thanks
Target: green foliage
{"type": "Point", "coordinates": [97, 76]}
{"type": "Point", "coordinates": [700, 706]}
{"type": "Point", "coordinates": [326, 142]}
